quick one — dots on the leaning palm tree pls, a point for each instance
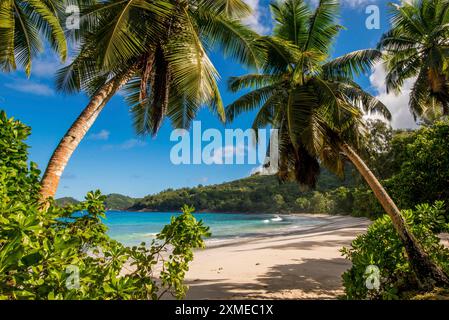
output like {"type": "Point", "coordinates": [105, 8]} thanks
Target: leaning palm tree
{"type": "Point", "coordinates": [22, 22]}
{"type": "Point", "coordinates": [157, 51]}
{"type": "Point", "coordinates": [417, 46]}
{"type": "Point", "coordinates": [318, 108]}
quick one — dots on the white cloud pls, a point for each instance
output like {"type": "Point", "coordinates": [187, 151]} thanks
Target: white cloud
{"type": "Point", "coordinates": [397, 104]}
{"type": "Point", "coordinates": [256, 20]}
{"type": "Point", "coordinates": [31, 87]}
{"type": "Point", "coordinates": [127, 145]}
{"type": "Point", "coordinates": [45, 68]}
{"type": "Point", "coordinates": [102, 135]}
{"type": "Point", "coordinates": [355, 3]}
{"type": "Point", "coordinates": [133, 143]}
{"type": "Point", "coordinates": [227, 152]}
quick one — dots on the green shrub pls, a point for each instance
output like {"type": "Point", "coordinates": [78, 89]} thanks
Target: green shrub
{"type": "Point", "coordinates": [424, 172]}
{"type": "Point", "coordinates": [381, 247]}
{"type": "Point", "coordinates": [64, 253]}
{"type": "Point", "coordinates": [365, 204]}
{"type": "Point", "coordinates": [303, 203]}
{"type": "Point", "coordinates": [321, 202]}
{"type": "Point", "coordinates": [343, 201]}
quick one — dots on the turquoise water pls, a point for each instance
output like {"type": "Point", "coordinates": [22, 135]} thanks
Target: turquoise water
{"type": "Point", "coordinates": [132, 228]}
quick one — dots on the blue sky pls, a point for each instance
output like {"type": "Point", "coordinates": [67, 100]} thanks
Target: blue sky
{"type": "Point", "coordinates": [113, 159]}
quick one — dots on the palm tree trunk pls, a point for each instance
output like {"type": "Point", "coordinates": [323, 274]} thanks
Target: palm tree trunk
{"type": "Point", "coordinates": [76, 133]}
{"type": "Point", "coordinates": [427, 272]}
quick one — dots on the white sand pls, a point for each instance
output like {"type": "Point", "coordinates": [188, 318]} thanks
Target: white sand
{"type": "Point", "coordinates": [302, 265]}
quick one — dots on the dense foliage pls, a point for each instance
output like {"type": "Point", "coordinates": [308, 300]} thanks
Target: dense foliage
{"type": "Point", "coordinates": [253, 194]}
{"type": "Point", "coordinates": [424, 170]}
{"type": "Point", "coordinates": [381, 247]}
{"type": "Point", "coordinates": [65, 253]}
{"type": "Point", "coordinates": [413, 164]}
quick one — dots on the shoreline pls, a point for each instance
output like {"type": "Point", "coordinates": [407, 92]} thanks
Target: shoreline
{"type": "Point", "coordinates": [281, 232]}
{"type": "Point", "coordinates": [300, 264]}
{"type": "Point", "coordinates": [225, 212]}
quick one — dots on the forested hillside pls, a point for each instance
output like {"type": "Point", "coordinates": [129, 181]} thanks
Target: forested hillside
{"type": "Point", "coordinates": [253, 194]}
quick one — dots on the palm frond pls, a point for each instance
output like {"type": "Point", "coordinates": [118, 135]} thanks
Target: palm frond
{"type": "Point", "coordinates": [255, 81]}
{"type": "Point", "coordinates": [26, 39]}
{"type": "Point", "coordinates": [230, 8]}
{"type": "Point", "coordinates": [354, 63]}
{"type": "Point", "coordinates": [235, 40]}
{"type": "Point", "coordinates": [249, 101]}
{"type": "Point", "coordinates": [7, 34]}
{"type": "Point", "coordinates": [191, 69]}
{"type": "Point", "coordinates": [21, 25]}
{"type": "Point", "coordinates": [291, 20]}
{"type": "Point", "coordinates": [323, 28]}
{"type": "Point", "coordinates": [45, 15]}
{"type": "Point", "coordinates": [280, 54]}
{"type": "Point", "coordinates": [122, 33]}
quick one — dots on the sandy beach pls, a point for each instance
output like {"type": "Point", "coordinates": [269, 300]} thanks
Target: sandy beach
{"type": "Point", "coordinates": [305, 264]}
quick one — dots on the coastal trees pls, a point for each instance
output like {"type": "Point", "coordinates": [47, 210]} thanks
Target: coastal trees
{"type": "Point", "coordinates": [417, 46]}
{"type": "Point", "coordinates": [158, 49]}
{"type": "Point", "coordinates": [21, 25]}
{"type": "Point", "coordinates": [317, 107]}
{"type": "Point", "coordinates": [62, 254]}
{"type": "Point", "coordinates": [423, 174]}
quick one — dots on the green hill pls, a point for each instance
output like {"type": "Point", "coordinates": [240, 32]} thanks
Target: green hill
{"type": "Point", "coordinates": [62, 202]}
{"type": "Point", "coordinates": [113, 201]}
{"type": "Point", "coordinates": [116, 201]}
{"type": "Point", "coordinates": [253, 194]}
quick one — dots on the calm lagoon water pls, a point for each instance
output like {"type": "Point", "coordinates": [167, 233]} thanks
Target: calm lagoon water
{"type": "Point", "coordinates": [132, 228]}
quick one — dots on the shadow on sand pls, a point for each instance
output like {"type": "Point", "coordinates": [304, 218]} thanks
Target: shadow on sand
{"type": "Point", "coordinates": [314, 277]}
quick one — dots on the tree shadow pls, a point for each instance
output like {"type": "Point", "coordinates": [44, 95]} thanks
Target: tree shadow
{"type": "Point", "coordinates": [309, 278]}
{"type": "Point", "coordinates": [305, 278]}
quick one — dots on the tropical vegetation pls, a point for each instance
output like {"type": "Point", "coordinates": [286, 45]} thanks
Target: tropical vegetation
{"type": "Point", "coordinates": [65, 253]}
{"type": "Point", "coordinates": [250, 195]}
{"type": "Point", "coordinates": [22, 26]}
{"type": "Point", "coordinates": [157, 50]}
{"type": "Point", "coordinates": [315, 104]}
{"type": "Point", "coordinates": [381, 247]}
{"type": "Point", "coordinates": [417, 47]}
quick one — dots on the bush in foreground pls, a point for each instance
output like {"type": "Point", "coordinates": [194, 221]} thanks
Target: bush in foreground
{"type": "Point", "coordinates": [381, 247]}
{"type": "Point", "coordinates": [65, 253]}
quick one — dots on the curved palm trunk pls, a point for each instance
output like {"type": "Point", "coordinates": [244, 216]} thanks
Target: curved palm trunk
{"type": "Point", "coordinates": [76, 133]}
{"type": "Point", "coordinates": [427, 272]}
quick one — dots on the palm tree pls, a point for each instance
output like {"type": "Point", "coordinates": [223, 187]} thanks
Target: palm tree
{"type": "Point", "coordinates": [158, 49]}
{"type": "Point", "coordinates": [317, 107]}
{"type": "Point", "coordinates": [22, 22]}
{"type": "Point", "coordinates": [417, 46]}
